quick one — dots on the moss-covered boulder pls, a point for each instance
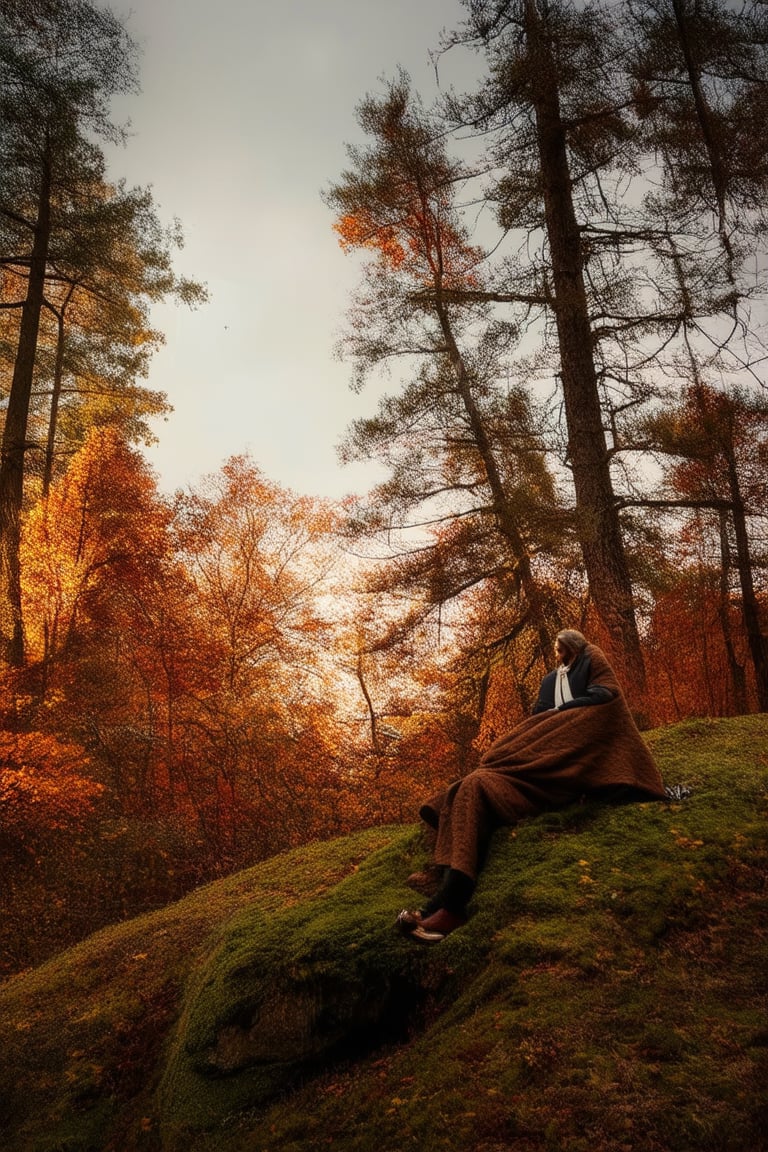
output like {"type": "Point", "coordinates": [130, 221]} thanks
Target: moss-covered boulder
{"type": "Point", "coordinates": [279, 997]}
{"type": "Point", "coordinates": [608, 992]}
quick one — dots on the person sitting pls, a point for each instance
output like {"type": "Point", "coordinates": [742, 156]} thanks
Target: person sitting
{"type": "Point", "coordinates": [580, 741]}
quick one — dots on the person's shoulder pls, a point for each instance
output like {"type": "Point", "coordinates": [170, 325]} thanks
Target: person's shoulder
{"type": "Point", "coordinates": [547, 689]}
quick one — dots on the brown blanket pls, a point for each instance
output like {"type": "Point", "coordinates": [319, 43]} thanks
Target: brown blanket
{"type": "Point", "coordinates": [547, 761]}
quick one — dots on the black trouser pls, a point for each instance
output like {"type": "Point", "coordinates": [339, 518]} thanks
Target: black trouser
{"type": "Point", "coordinates": [454, 893]}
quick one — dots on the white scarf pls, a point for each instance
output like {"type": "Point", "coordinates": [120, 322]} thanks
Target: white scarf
{"type": "Point", "coordinates": [562, 687]}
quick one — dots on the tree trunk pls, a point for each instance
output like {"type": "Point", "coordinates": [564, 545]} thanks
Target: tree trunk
{"type": "Point", "coordinates": [598, 524]}
{"type": "Point", "coordinates": [738, 678]}
{"type": "Point", "coordinates": [375, 743]}
{"type": "Point", "coordinates": [758, 647]}
{"type": "Point", "coordinates": [58, 375]}
{"type": "Point", "coordinates": [14, 443]}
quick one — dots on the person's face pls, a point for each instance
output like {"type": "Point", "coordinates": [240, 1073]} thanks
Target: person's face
{"type": "Point", "coordinates": [563, 654]}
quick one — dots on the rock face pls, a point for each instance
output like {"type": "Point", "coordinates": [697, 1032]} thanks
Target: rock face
{"type": "Point", "coordinates": [282, 1029]}
{"type": "Point", "coordinates": [296, 1025]}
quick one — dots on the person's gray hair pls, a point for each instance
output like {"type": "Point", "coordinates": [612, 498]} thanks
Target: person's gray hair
{"type": "Point", "coordinates": [574, 641]}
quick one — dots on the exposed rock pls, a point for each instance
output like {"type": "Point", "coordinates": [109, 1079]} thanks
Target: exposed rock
{"type": "Point", "coordinates": [293, 1025]}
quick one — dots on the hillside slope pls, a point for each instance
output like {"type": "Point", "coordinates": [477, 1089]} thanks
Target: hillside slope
{"type": "Point", "coordinates": [609, 993]}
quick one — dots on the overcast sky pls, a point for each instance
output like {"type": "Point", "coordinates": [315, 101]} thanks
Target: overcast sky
{"type": "Point", "coordinates": [245, 108]}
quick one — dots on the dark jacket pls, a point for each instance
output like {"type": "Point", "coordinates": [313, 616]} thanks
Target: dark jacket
{"type": "Point", "coordinates": [583, 689]}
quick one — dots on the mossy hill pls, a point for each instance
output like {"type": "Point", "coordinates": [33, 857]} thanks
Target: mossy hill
{"type": "Point", "coordinates": [608, 994]}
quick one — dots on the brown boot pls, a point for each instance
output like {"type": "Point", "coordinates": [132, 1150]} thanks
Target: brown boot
{"type": "Point", "coordinates": [432, 929]}
{"type": "Point", "coordinates": [442, 922]}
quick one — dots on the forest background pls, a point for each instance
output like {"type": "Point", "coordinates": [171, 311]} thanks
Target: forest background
{"type": "Point", "coordinates": [563, 281]}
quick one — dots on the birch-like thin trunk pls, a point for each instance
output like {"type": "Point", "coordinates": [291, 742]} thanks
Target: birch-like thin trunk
{"type": "Point", "coordinates": [58, 379]}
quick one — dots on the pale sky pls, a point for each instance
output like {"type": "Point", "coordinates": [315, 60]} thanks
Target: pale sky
{"type": "Point", "coordinates": [245, 108]}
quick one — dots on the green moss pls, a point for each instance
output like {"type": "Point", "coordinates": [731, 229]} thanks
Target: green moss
{"type": "Point", "coordinates": [609, 991]}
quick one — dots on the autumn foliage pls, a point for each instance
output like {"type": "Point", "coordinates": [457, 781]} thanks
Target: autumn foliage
{"type": "Point", "coordinates": [211, 679]}
{"type": "Point", "coordinates": [45, 787]}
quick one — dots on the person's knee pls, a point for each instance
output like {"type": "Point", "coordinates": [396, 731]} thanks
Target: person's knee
{"type": "Point", "coordinates": [478, 789]}
{"type": "Point", "coordinates": [472, 783]}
